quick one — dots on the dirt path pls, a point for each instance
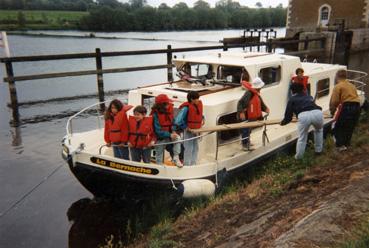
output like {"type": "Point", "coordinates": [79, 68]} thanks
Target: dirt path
{"type": "Point", "coordinates": [317, 210]}
{"type": "Point", "coordinates": [314, 211]}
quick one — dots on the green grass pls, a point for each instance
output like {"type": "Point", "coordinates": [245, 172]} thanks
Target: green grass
{"type": "Point", "coordinates": [38, 19]}
{"type": "Point", "coordinates": [359, 237]}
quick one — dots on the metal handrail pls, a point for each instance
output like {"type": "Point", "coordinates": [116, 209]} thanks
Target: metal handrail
{"type": "Point", "coordinates": [167, 143]}
{"type": "Point", "coordinates": [69, 129]}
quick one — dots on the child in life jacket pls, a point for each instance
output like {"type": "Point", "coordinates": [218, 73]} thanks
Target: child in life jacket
{"type": "Point", "coordinates": [141, 135]}
{"type": "Point", "coordinates": [189, 117]}
{"type": "Point", "coordinates": [116, 129]}
{"type": "Point", "coordinates": [250, 108]}
{"type": "Point", "coordinates": [301, 79]}
{"type": "Point", "coordinates": [163, 115]}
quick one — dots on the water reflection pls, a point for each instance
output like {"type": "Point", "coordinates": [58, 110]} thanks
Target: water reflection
{"type": "Point", "coordinates": [16, 139]}
{"type": "Point", "coordinates": [98, 221]}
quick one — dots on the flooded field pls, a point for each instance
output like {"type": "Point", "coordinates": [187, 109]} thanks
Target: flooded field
{"type": "Point", "coordinates": [42, 204]}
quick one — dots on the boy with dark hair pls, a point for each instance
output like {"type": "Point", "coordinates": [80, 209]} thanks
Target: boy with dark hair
{"type": "Point", "coordinates": [141, 135]}
{"type": "Point", "coordinates": [189, 117]}
{"type": "Point", "coordinates": [345, 105]}
{"type": "Point", "coordinates": [301, 79]}
{"type": "Point", "coordinates": [308, 114]}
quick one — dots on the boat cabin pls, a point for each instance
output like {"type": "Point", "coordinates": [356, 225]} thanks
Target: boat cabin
{"type": "Point", "coordinates": [217, 78]}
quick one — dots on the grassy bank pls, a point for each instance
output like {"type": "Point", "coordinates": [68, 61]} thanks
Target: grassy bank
{"type": "Point", "coordinates": [26, 20]}
{"type": "Point", "coordinates": [264, 184]}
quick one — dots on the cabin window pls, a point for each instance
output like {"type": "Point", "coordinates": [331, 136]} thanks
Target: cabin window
{"type": "Point", "coordinates": [227, 135]}
{"type": "Point", "coordinates": [232, 74]}
{"type": "Point", "coordinates": [148, 102]}
{"type": "Point", "coordinates": [270, 75]}
{"type": "Point", "coordinates": [324, 14]}
{"type": "Point", "coordinates": [201, 71]}
{"type": "Point", "coordinates": [322, 88]}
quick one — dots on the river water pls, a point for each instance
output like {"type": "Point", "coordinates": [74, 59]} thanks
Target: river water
{"type": "Point", "coordinates": [42, 204]}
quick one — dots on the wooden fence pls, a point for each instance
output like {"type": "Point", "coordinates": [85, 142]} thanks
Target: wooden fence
{"type": "Point", "coordinates": [269, 45]}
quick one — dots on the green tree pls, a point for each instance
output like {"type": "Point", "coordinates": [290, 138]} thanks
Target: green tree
{"type": "Point", "coordinates": [163, 6]}
{"type": "Point", "coordinates": [135, 4]}
{"type": "Point", "coordinates": [259, 5]}
{"type": "Point", "coordinates": [200, 4]}
{"type": "Point", "coordinates": [180, 5]}
{"type": "Point", "coordinates": [21, 19]}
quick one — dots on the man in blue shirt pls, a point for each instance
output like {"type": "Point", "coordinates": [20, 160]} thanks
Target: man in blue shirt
{"type": "Point", "coordinates": [308, 114]}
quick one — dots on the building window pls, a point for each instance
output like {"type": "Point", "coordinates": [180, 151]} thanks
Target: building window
{"type": "Point", "coordinates": [324, 15]}
{"type": "Point", "coordinates": [270, 75]}
{"type": "Point", "coordinates": [322, 88]}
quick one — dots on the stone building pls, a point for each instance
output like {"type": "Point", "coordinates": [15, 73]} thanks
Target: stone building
{"type": "Point", "coordinates": [313, 15]}
{"type": "Point", "coordinates": [320, 16]}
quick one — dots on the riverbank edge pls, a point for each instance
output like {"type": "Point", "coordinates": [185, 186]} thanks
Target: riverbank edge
{"type": "Point", "coordinates": [273, 185]}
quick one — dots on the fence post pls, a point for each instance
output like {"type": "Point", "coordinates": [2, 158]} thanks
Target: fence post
{"type": "Point", "coordinates": [169, 63]}
{"type": "Point", "coordinates": [13, 93]}
{"type": "Point", "coordinates": [306, 43]}
{"type": "Point", "coordinates": [225, 47]}
{"type": "Point", "coordinates": [269, 46]}
{"type": "Point", "coordinates": [100, 79]}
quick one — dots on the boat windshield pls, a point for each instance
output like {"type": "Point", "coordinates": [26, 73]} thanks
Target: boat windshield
{"type": "Point", "coordinates": [232, 74]}
{"type": "Point", "coordinates": [196, 72]}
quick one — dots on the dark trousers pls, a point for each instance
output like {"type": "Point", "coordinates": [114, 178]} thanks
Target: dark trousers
{"type": "Point", "coordinates": [245, 134]}
{"type": "Point", "coordinates": [138, 154]}
{"type": "Point", "coordinates": [120, 151]}
{"type": "Point", "coordinates": [346, 122]}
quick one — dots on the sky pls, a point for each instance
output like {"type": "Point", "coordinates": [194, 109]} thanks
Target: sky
{"type": "Point", "coordinates": [249, 3]}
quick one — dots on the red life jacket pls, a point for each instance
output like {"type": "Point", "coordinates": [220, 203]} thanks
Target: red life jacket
{"type": "Point", "coordinates": [194, 116]}
{"type": "Point", "coordinates": [303, 81]}
{"type": "Point", "coordinates": [253, 110]}
{"type": "Point", "coordinates": [142, 133]}
{"type": "Point", "coordinates": [116, 130]}
{"type": "Point", "coordinates": [246, 84]}
{"type": "Point", "coordinates": [166, 119]}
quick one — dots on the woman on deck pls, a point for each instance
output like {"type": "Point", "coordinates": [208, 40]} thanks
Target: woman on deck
{"type": "Point", "coordinates": [116, 129]}
{"type": "Point", "coordinates": [163, 115]}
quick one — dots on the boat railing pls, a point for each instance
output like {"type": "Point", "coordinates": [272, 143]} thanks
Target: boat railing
{"type": "Point", "coordinates": [355, 77]}
{"type": "Point", "coordinates": [69, 126]}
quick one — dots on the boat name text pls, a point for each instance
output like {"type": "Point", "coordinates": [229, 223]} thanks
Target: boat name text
{"type": "Point", "coordinates": [124, 167]}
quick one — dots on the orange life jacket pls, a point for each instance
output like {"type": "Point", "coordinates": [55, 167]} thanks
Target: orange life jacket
{"type": "Point", "coordinates": [253, 110]}
{"type": "Point", "coordinates": [166, 119]}
{"type": "Point", "coordinates": [246, 84]}
{"type": "Point", "coordinates": [116, 130]}
{"type": "Point", "coordinates": [194, 115]}
{"type": "Point", "coordinates": [303, 81]}
{"type": "Point", "coordinates": [142, 133]}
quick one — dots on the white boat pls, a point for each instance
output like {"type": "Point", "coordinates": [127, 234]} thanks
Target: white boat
{"type": "Point", "coordinates": [217, 78]}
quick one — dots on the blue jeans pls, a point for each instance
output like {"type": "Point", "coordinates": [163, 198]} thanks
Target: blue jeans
{"type": "Point", "coordinates": [305, 120]}
{"type": "Point", "coordinates": [175, 149]}
{"type": "Point", "coordinates": [245, 134]}
{"type": "Point", "coordinates": [119, 151]}
{"type": "Point", "coordinates": [141, 153]}
{"type": "Point", "coordinates": [191, 148]}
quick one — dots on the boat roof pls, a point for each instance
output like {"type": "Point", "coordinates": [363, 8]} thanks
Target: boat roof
{"type": "Point", "coordinates": [236, 58]}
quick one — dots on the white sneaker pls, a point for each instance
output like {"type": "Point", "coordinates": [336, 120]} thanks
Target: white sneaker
{"type": "Point", "coordinates": [341, 148]}
{"type": "Point", "coordinates": [177, 162]}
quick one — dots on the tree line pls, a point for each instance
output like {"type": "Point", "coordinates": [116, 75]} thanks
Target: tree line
{"type": "Point", "coordinates": [136, 15]}
{"type": "Point", "coordinates": [69, 5]}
